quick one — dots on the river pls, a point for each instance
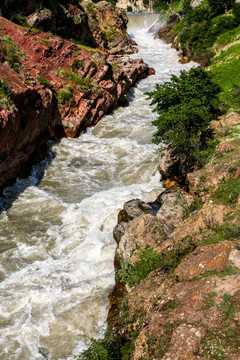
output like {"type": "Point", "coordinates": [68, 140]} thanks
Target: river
{"type": "Point", "coordinates": [56, 243]}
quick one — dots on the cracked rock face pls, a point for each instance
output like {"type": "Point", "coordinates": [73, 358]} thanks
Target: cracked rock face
{"type": "Point", "coordinates": [191, 311]}
{"type": "Point", "coordinates": [59, 88]}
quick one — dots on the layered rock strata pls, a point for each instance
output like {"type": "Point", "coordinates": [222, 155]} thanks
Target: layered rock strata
{"type": "Point", "coordinates": [51, 87]}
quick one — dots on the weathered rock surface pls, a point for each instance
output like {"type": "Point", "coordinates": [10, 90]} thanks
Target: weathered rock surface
{"type": "Point", "coordinates": [142, 231]}
{"type": "Point", "coordinates": [175, 167]}
{"type": "Point", "coordinates": [191, 311]}
{"type": "Point", "coordinates": [171, 212]}
{"type": "Point", "coordinates": [165, 32]}
{"type": "Point", "coordinates": [55, 85]}
{"type": "Point", "coordinates": [131, 210]}
{"type": "Point", "coordinates": [25, 130]}
{"type": "Point", "coordinates": [98, 25]}
{"type": "Point", "coordinates": [205, 258]}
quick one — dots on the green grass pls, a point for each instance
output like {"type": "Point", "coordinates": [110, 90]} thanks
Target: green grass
{"type": "Point", "coordinates": [83, 83]}
{"type": "Point", "coordinates": [11, 52]}
{"type": "Point", "coordinates": [226, 68]}
{"type": "Point", "coordinates": [227, 192]}
{"type": "Point", "coordinates": [219, 340]}
{"type": "Point", "coordinates": [150, 260]}
{"type": "Point", "coordinates": [229, 36]}
{"type": "Point", "coordinates": [230, 270]}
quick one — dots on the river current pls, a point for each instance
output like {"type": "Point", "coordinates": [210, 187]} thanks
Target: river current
{"type": "Point", "coordinates": [56, 243]}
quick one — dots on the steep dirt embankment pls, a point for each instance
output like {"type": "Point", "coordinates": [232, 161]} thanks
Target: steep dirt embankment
{"type": "Point", "coordinates": [51, 87]}
{"type": "Point", "coordinates": [188, 306]}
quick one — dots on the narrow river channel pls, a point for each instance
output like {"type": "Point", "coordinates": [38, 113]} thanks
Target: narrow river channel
{"type": "Point", "coordinates": [56, 243]}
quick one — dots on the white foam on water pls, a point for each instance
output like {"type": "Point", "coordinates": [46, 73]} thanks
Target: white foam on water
{"type": "Point", "coordinates": [56, 243]}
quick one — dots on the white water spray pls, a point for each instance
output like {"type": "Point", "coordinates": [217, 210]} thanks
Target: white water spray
{"type": "Point", "coordinates": [57, 249]}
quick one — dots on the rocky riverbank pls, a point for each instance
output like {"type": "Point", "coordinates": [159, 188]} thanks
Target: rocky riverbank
{"type": "Point", "coordinates": [188, 305]}
{"type": "Point", "coordinates": [52, 87]}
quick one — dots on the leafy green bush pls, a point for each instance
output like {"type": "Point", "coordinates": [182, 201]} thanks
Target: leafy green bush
{"type": "Point", "coordinates": [197, 39]}
{"type": "Point", "coordinates": [64, 96]}
{"type": "Point", "coordinates": [185, 106]}
{"type": "Point", "coordinates": [221, 24]}
{"type": "Point", "coordinates": [201, 26]}
{"type": "Point", "coordinates": [112, 347]}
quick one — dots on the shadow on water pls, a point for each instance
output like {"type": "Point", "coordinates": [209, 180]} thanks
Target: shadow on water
{"type": "Point", "coordinates": [11, 193]}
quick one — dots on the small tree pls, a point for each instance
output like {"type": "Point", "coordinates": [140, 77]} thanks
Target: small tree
{"type": "Point", "coordinates": [185, 106]}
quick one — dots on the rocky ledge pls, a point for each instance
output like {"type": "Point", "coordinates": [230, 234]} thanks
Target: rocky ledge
{"type": "Point", "coordinates": [177, 292]}
{"type": "Point", "coordinates": [51, 87]}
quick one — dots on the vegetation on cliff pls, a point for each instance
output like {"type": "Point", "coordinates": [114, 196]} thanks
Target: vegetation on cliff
{"type": "Point", "coordinates": [185, 106]}
{"type": "Point", "coordinates": [201, 26]}
{"type": "Point", "coordinates": [182, 294]}
{"type": "Point", "coordinates": [193, 309]}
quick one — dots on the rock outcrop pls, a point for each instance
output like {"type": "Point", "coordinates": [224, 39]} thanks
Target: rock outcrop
{"type": "Point", "coordinates": [26, 130]}
{"type": "Point", "coordinates": [188, 306]}
{"type": "Point", "coordinates": [52, 87]}
{"type": "Point", "coordinates": [100, 25]}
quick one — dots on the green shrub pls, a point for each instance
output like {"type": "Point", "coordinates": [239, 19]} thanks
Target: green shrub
{"type": "Point", "coordinates": [129, 8]}
{"type": "Point", "coordinates": [72, 76]}
{"type": "Point", "coordinates": [64, 96]}
{"type": "Point", "coordinates": [236, 12]}
{"type": "Point", "coordinates": [112, 347]}
{"type": "Point", "coordinates": [222, 24]}
{"type": "Point", "coordinates": [19, 19]}
{"type": "Point", "coordinates": [150, 260]}
{"type": "Point", "coordinates": [76, 65]}
{"type": "Point", "coordinates": [11, 52]}
{"type": "Point", "coordinates": [220, 6]}
{"type": "Point", "coordinates": [5, 92]}
{"type": "Point", "coordinates": [43, 81]}
{"type": "Point", "coordinates": [185, 106]}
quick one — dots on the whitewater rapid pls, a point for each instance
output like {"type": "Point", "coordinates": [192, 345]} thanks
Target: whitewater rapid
{"type": "Point", "coordinates": [56, 243]}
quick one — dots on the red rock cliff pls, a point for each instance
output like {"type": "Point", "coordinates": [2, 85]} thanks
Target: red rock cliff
{"type": "Point", "coordinates": [54, 86]}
